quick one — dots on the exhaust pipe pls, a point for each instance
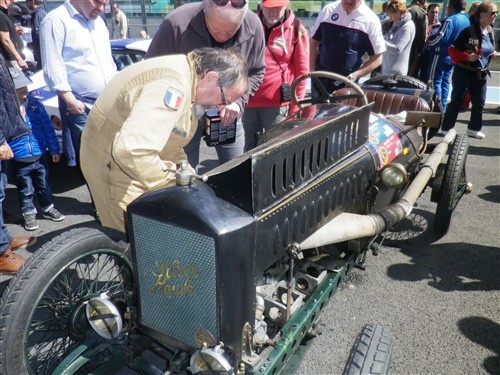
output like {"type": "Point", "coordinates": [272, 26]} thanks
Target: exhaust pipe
{"type": "Point", "coordinates": [347, 226]}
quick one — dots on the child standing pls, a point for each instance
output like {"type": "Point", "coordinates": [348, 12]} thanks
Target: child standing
{"type": "Point", "coordinates": [29, 164]}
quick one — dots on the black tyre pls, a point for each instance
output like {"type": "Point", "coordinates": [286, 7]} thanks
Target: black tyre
{"type": "Point", "coordinates": [42, 317]}
{"type": "Point", "coordinates": [402, 81]}
{"type": "Point", "coordinates": [454, 184]}
{"type": "Point", "coordinates": [371, 352]}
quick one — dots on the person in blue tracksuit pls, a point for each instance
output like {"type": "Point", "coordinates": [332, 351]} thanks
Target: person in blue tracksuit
{"type": "Point", "coordinates": [440, 65]}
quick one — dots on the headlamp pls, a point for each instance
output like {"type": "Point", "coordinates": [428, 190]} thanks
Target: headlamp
{"type": "Point", "coordinates": [211, 360]}
{"type": "Point", "coordinates": [104, 317]}
{"type": "Point", "coordinates": [394, 175]}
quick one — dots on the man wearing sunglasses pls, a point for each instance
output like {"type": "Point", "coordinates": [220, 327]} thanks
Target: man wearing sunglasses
{"type": "Point", "coordinates": [138, 126]}
{"type": "Point", "coordinates": [221, 24]}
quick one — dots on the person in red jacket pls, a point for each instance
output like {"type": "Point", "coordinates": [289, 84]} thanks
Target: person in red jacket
{"type": "Point", "coordinates": [287, 57]}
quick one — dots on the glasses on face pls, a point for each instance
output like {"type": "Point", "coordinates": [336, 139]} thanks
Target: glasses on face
{"type": "Point", "coordinates": [494, 13]}
{"type": "Point", "coordinates": [237, 4]}
{"type": "Point", "coordinates": [222, 96]}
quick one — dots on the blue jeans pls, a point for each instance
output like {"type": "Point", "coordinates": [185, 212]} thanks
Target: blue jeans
{"type": "Point", "coordinates": [440, 69]}
{"type": "Point", "coordinates": [463, 81]}
{"type": "Point", "coordinates": [76, 124]}
{"type": "Point", "coordinates": [30, 178]}
{"type": "Point", "coordinates": [72, 128]}
{"type": "Point", "coordinates": [5, 237]}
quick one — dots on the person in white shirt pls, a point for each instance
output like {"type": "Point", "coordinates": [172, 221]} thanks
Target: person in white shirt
{"type": "Point", "coordinates": [343, 33]}
{"type": "Point", "coordinates": [77, 63]}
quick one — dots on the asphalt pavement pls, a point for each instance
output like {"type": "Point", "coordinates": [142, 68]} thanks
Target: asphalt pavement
{"type": "Point", "coordinates": [440, 297]}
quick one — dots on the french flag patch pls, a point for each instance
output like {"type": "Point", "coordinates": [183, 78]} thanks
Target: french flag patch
{"type": "Point", "coordinates": [173, 98]}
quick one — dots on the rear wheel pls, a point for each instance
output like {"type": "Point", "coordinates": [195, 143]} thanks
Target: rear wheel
{"type": "Point", "coordinates": [371, 352]}
{"type": "Point", "coordinates": [42, 313]}
{"type": "Point", "coordinates": [454, 184]}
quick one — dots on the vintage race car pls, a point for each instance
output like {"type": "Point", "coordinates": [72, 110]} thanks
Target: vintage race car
{"type": "Point", "coordinates": [228, 273]}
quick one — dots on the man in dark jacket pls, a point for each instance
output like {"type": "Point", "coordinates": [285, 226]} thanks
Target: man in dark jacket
{"type": "Point", "coordinates": [11, 125]}
{"type": "Point", "coordinates": [37, 16]}
{"type": "Point", "coordinates": [419, 18]}
{"type": "Point", "coordinates": [223, 24]}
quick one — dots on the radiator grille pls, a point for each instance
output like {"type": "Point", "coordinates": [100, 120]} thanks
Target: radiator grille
{"type": "Point", "coordinates": [176, 279]}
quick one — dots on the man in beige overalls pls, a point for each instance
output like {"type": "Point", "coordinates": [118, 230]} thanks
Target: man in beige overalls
{"type": "Point", "coordinates": [145, 116]}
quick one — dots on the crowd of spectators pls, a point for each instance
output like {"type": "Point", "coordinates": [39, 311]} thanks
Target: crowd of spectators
{"type": "Point", "coordinates": [71, 44]}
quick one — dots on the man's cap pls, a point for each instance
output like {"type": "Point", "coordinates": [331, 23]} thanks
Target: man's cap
{"type": "Point", "coordinates": [19, 78]}
{"type": "Point", "coordinates": [274, 3]}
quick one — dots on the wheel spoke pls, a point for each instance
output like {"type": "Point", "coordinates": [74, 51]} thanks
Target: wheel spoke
{"type": "Point", "coordinates": [48, 340]}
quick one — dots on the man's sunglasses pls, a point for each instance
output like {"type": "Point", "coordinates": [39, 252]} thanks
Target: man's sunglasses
{"type": "Point", "coordinates": [237, 4]}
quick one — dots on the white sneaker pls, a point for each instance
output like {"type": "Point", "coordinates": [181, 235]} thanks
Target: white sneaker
{"type": "Point", "coordinates": [475, 134]}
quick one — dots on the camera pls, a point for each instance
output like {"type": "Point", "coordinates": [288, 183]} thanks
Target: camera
{"type": "Point", "coordinates": [215, 133]}
{"type": "Point", "coordinates": [285, 92]}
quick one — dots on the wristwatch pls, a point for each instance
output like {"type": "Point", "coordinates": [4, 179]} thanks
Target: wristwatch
{"type": "Point", "coordinates": [352, 77]}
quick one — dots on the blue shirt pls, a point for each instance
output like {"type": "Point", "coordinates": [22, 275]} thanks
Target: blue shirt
{"type": "Point", "coordinates": [487, 49]}
{"type": "Point", "coordinates": [76, 53]}
{"type": "Point", "coordinates": [345, 38]}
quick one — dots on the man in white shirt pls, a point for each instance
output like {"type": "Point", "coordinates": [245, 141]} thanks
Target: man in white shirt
{"type": "Point", "coordinates": [343, 32]}
{"type": "Point", "coordinates": [77, 63]}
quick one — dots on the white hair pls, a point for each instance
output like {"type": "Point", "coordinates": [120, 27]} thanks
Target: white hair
{"type": "Point", "coordinates": [233, 16]}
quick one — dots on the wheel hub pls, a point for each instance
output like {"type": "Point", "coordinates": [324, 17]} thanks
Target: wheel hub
{"type": "Point", "coordinates": [78, 324]}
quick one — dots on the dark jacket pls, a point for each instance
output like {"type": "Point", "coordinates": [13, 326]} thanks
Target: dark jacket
{"type": "Point", "coordinates": [184, 29]}
{"type": "Point", "coordinates": [467, 43]}
{"type": "Point", "coordinates": [12, 124]}
{"type": "Point", "coordinates": [36, 20]}
{"type": "Point", "coordinates": [419, 18]}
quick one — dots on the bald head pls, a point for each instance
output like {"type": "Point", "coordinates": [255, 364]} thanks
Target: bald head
{"type": "Point", "coordinates": [223, 22]}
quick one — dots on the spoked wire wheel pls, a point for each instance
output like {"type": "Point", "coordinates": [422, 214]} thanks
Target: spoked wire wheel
{"type": "Point", "coordinates": [42, 313]}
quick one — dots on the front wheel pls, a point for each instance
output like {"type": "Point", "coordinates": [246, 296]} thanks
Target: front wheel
{"type": "Point", "coordinates": [454, 184]}
{"type": "Point", "coordinates": [371, 353]}
{"type": "Point", "coordinates": [42, 314]}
